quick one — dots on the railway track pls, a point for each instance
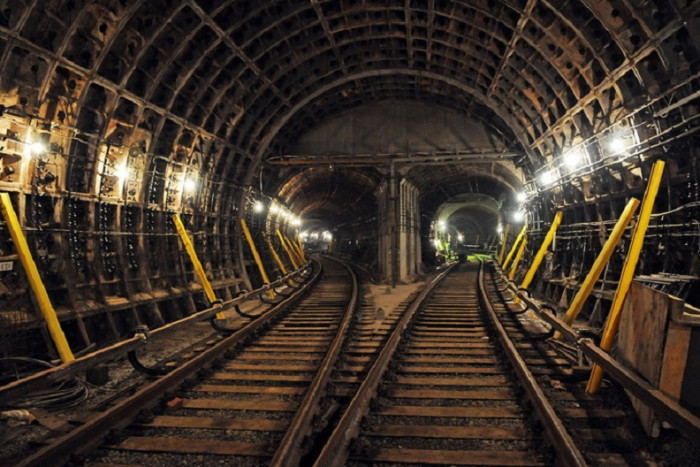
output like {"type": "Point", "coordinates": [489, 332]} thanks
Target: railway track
{"type": "Point", "coordinates": [450, 377]}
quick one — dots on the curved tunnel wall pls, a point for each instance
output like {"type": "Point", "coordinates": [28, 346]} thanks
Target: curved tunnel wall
{"type": "Point", "coordinates": [147, 108]}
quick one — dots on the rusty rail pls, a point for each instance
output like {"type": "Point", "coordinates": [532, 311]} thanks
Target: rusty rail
{"type": "Point", "coordinates": [91, 433]}
{"type": "Point", "coordinates": [289, 452]}
{"type": "Point", "coordinates": [43, 379]}
{"type": "Point", "coordinates": [671, 411]}
{"type": "Point", "coordinates": [567, 452]}
{"type": "Point", "coordinates": [335, 450]}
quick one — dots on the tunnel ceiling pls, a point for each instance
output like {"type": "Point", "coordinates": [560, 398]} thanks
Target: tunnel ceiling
{"type": "Point", "coordinates": [250, 73]}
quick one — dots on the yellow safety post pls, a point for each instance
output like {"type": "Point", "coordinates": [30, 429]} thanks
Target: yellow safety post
{"type": "Point", "coordinates": [514, 248]}
{"type": "Point", "coordinates": [256, 256]}
{"type": "Point", "coordinates": [295, 248]}
{"type": "Point", "coordinates": [600, 262]}
{"type": "Point", "coordinates": [521, 250]}
{"type": "Point", "coordinates": [286, 249]}
{"type": "Point", "coordinates": [301, 246]}
{"type": "Point", "coordinates": [198, 269]}
{"type": "Point", "coordinates": [37, 285]}
{"type": "Point", "coordinates": [537, 260]}
{"type": "Point", "coordinates": [504, 244]}
{"type": "Point", "coordinates": [276, 257]}
{"type": "Point", "coordinates": [299, 249]}
{"type": "Point", "coordinates": [628, 271]}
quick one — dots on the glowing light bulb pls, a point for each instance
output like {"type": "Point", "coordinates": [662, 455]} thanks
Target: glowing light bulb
{"type": "Point", "coordinates": [521, 196]}
{"type": "Point", "coordinates": [274, 209]}
{"type": "Point", "coordinates": [499, 229]}
{"type": "Point", "coordinates": [460, 238]}
{"type": "Point", "coordinates": [547, 178]}
{"type": "Point", "coordinates": [442, 225]}
{"type": "Point", "coordinates": [189, 185]}
{"type": "Point", "coordinates": [518, 216]}
{"type": "Point", "coordinates": [573, 158]}
{"type": "Point", "coordinates": [617, 144]}
{"type": "Point", "coordinates": [436, 242]}
{"type": "Point", "coordinates": [37, 147]}
{"type": "Point", "coordinates": [258, 206]}
{"type": "Point", "coordinates": [122, 172]}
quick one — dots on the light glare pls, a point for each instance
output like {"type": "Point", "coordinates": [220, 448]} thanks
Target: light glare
{"type": "Point", "coordinates": [37, 147]}
{"type": "Point", "coordinates": [547, 178]}
{"type": "Point", "coordinates": [518, 216]}
{"type": "Point", "coordinates": [189, 185]}
{"type": "Point", "coordinates": [521, 196]}
{"type": "Point", "coordinates": [258, 206]}
{"type": "Point", "coordinates": [460, 238]}
{"type": "Point", "coordinates": [122, 172]}
{"type": "Point", "coordinates": [573, 158]}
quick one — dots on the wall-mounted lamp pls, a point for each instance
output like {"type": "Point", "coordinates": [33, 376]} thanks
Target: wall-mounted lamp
{"type": "Point", "coordinates": [189, 184]}
{"type": "Point", "coordinates": [547, 178]}
{"type": "Point", "coordinates": [518, 216]}
{"type": "Point", "coordinates": [258, 206]}
{"type": "Point", "coordinates": [460, 238]}
{"type": "Point", "coordinates": [574, 157]}
{"type": "Point", "coordinates": [521, 196]}
{"type": "Point", "coordinates": [122, 172]}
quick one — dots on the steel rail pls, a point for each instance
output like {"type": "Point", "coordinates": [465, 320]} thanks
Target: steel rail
{"type": "Point", "coordinates": [91, 433]}
{"type": "Point", "coordinates": [335, 450]}
{"type": "Point", "coordinates": [289, 452]}
{"type": "Point", "coordinates": [687, 423]}
{"type": "Point", "coordinates": [567, 452]}
{"type": "Point", "coordinates": [43, 379]}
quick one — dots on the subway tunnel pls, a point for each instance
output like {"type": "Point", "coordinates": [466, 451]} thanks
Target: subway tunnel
{"type": "Point", "coordinates": [396, 134]}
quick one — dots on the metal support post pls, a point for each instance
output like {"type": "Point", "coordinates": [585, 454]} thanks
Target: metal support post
{"type": "Point", "coordinates": [628, 271]}
{"type": "Point", "coordinates": [295, 249]}
{"type": "Point", "coordinates": [292, 259]}
{"type": "Point", "coordinates": [514, 248]}
{"type": "Point", "coordinates": [198, 269]}
{"type": "Point", "coordinates": [256, 256]}
{"type": "Point", "coordinates": [600, 262]}
{"type": "Point", "coordinates": [511, 275]}
{"type": "Point", "coordinates": [537, 260]}
{"type": "Point", "coordinates": [504, 244]}
{"type": "Point", "coordinates": [37, 285]}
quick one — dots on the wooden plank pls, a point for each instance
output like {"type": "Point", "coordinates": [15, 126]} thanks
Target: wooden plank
{"type": "Point", "coordinates": [192, 446]}
{"type": "Point", "coordinates": [449, 394]}
{"type": "Point", "coordinates": [276, 357]}
{"type": "Point", "coordinates": [450, 369]}
{"type": "Point", "coordinates": [675, 359]}
{"type": "Point", "coordinates": [261, 377]}
{"type": "Point", "coordinates": [245, 389]}
{"type": "Point", "coordinates": [428, 456]}
{"type": "Point", "coordinates": [246, 424]}
{"type": "Point", "coordinates": [454, 381]}
{"type": "Point", "coordinates": [226, 404]}
{"type": "Point", "coordinates": [455, 412]}
{"type": "Point", "coordinates": [453, 360]}
{"type": "Point", "coordinates": [270, 367]}
{"type": "Point", "coordinates": [442, 431]}
{"type": "Point", "coordinates": [590, 412]}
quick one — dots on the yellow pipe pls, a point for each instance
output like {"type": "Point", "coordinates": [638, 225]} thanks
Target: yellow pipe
{"type": "Point", "coordinates": [628, 271]}
{"type": "Point", "coordinates": [256, 256]}
{"type": "Point", "coordinates": [600, 262]}
{"type": "Point", "coordinates": [504, 244]}
{"type": "Point", "coordinates": [279, 262]}
{"type": "Point", "coordinates": [527, 280]}
{"type": "Point", "coordinates": [37, 285]}
{"type": "Point", "coordinates": [289, 252]}
{"type": "Point", "coordinates": [517, 258]}
{"type": "Point", "coordinates": [514, 248]}
{"type": "Point", "coordinates": [198, 269]}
